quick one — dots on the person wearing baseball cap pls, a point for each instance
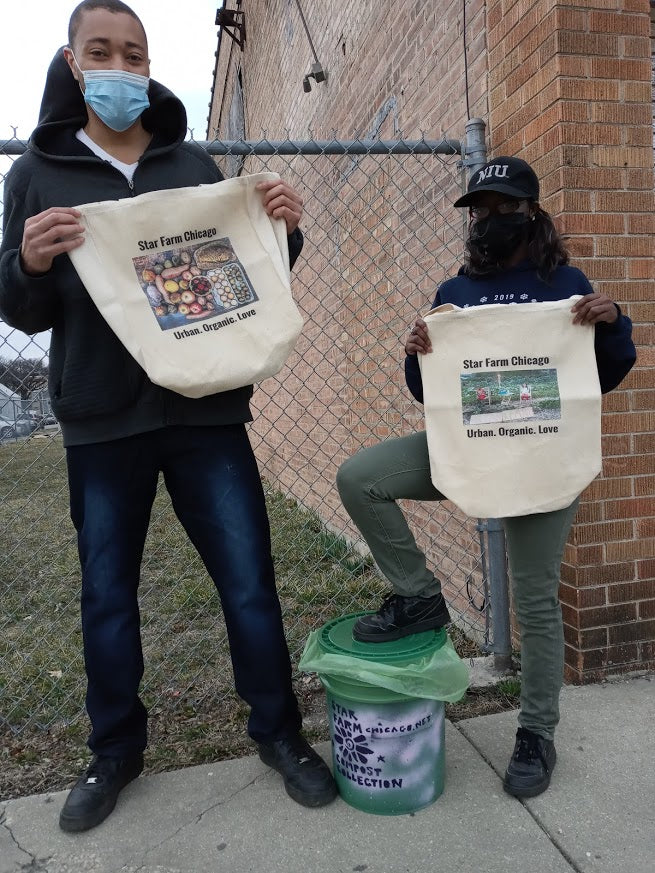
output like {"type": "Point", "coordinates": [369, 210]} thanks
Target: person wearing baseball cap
{"type": "Point", "coordinates": [513, 254]}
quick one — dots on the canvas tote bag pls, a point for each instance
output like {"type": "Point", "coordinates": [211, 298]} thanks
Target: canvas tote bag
{"type": "Point", "coordinates": [512, 406]}
{"type": "Point", "coordinates": [194, 282]}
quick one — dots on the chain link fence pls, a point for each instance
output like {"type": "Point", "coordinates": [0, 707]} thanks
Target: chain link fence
{"type": "Point", "coordinates": [380, 234]}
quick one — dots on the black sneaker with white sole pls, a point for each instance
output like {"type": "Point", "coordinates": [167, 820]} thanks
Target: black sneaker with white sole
{"type": "Point", "coordinates": [401, 616]}
{"type": "Point", "coordinates": [531, 765]}
{"type": "Point", "coordinates": [307, 778]}
{"type": "Point", "coordinates": [94, 794]}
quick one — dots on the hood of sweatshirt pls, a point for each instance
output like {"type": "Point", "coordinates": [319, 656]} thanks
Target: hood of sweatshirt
{"type": "Point", "coordinates": [63, 112]}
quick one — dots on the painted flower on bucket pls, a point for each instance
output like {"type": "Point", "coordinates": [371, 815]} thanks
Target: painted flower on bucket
{"type": "Point", "coordinates": [352, 748]}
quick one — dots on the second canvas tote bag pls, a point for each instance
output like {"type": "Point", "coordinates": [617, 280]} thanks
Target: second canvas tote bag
{"type": "Point", "coordinates": [512, 406]}
{"type": "Point", "coordinates": [194, 282]}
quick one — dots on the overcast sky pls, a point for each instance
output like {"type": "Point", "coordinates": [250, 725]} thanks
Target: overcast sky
{"type": "Point", "coordinates": [182, 39]}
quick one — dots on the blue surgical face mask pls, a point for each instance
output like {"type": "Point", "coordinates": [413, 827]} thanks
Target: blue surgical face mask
{"type": "Point", "coordinates": [117, 97]}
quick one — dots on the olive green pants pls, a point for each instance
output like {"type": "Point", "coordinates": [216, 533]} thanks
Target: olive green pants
{"type": "Point", "coordinates": [373, 480]}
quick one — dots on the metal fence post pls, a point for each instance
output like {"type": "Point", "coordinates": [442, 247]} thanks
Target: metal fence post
{"type": "Point", "coordinates": [475, 156]}
{"type": "Point", "coordinates": [475, 148]}
{"type": "Point", "coordinates": [499, 594]}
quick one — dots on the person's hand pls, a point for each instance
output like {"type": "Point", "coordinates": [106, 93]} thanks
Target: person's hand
{"type": "Point", "coordinates": [281, 201]}
{"type": "Point", "coordinates": [418, 339]}
{"type": "Point", "coordinates": [47, 235]}
{"type": "Point", "coordinates": [593, 308]}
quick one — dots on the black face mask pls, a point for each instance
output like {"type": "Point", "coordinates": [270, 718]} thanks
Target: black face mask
{"type": "Point", "coordinates": [498, 236]}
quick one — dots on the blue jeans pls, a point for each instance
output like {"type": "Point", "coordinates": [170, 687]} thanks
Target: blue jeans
{"type": "Point", "coordinates": [220, 503]}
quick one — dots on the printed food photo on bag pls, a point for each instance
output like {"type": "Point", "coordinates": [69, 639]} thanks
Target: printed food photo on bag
{"type": "Point", "coordinates": [190, 283]}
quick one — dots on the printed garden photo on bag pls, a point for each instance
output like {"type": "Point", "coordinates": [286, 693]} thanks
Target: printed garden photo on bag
{"type": "Point", "coordinates": [190, 283]}
{"type": "Point", "coordinates": [510, 395]}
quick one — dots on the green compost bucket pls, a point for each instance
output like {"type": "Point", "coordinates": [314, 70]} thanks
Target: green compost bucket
{"type": "Point", "coordinates": [388, 749]}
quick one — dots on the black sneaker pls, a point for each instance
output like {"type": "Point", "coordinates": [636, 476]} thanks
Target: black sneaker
{"type": "Point", "coordinates": [94, 794]}
{"type": "Point", "coordinates": [401, 616]}
{"type": "Point", "coordinates": [531, 765]}
{"type": "Point", "coordinates": [307, 778]}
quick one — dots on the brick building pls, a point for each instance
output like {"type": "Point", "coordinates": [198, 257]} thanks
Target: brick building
{"type": "Point", "coordinates": [566, 86]}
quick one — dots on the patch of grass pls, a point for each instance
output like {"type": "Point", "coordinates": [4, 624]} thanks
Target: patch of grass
{"type": "Point", "coordinates": [195, 715]}
{"type": "Point", "coordinates": [336, 549]}
{"type": "Point", "coordinates": [465, 647]}
{"type": "Point", "coordinates": [188, 684]}
{"type": "Point", "coordinates": [502, 696]}
{"type": "Point", "coordinates": [510, 688]}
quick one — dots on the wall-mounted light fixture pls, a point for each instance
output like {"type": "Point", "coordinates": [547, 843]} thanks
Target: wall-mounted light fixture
{"type": "Point", "coordinates": [317, 73]}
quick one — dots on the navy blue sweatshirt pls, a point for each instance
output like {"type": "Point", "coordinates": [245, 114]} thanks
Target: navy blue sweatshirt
{"type": "Point", "coordinates": [615, 351]}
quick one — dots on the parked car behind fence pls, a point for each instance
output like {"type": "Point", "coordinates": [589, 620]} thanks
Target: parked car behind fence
{"type": "Point", "coordinates": [11, 428]}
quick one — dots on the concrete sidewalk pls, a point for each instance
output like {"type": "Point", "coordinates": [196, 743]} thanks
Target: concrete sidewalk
{"type": "Point", "coordinates": [597, 816]}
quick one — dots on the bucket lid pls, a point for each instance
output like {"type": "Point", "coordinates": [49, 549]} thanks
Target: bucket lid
{"type": "Point", "coordinates": [336, 638]}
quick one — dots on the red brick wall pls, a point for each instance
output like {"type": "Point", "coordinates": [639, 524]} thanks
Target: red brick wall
{"type": "Point", "coordinates": [380, 232]}
{"type": "Point", "coordinates": [570, 92]}
{"type": "Point", "coordinates": [373, 50]}
{"type": "Point", "coordinates": [566, 87]}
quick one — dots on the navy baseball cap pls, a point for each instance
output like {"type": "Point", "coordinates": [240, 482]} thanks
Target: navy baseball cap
{"type": "Point", "coordinates": [511, 176]}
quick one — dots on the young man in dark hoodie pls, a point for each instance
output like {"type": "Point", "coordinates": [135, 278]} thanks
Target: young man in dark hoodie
{"type": "Point", "coordinates": [106, 132]}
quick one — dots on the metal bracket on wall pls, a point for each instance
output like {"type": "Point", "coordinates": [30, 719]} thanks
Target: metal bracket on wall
{"type": "Point", "coordinates": [233, 18]}
{"type": "Point", "coordinates": [317, 72]}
